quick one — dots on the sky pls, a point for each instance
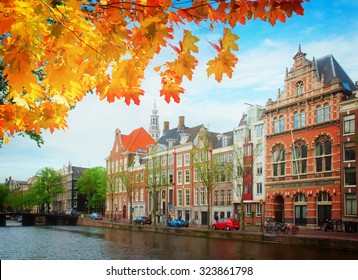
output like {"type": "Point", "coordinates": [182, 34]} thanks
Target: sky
{"type": "Point", "coordinates": [328, 27]}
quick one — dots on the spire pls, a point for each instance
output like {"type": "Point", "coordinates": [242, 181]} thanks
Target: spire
{"type": "Point", "coordinates": [154, 130]}
{"type": "Point", "coordinates": [299, 52]}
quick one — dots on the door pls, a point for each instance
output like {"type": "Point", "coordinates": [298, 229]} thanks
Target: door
{"type": "Point", "coordinates": [204, 218]}
{"type": "Point", "coordinates": [324, 212]}
{"type": "Point", "coordinates": [300, 215]}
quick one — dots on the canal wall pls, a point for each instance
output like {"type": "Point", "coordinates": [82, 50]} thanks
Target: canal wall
{"type": "Point", "coordinates": [313, 241]}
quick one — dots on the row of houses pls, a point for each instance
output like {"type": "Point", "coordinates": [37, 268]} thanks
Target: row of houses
{"type": "Point", "coordinates": [292, 160]}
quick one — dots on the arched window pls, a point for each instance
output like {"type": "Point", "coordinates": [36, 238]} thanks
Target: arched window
{"type": "Point", "coordinates": [299, 160]}
{"type": "Point", "coordinates": [324, 196]}
{"type": "Point", "coordinates": [278, 161]}
{"type": "Point", "coordinates": [300, 198]}
{"type": "Point", "coordinates": [299, 88]}
{"type": "Point", "coordinates": [323, 154]}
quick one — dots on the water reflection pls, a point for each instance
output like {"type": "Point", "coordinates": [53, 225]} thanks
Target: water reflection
{"type": "Point", "coordinates": [75, 242]}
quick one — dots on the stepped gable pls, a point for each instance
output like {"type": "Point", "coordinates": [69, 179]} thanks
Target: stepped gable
{"type": "Point", "coordinates": [330, 69]}
{"type": "Point", "coordinates": [137, 140]}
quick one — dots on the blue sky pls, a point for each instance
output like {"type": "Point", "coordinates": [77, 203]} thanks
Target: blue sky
{"type": "Point", "coordinates": [328, 27]}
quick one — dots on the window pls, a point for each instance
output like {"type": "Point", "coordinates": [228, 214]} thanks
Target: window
{"type": "Point", "coordinates": [216, 198]}
{"type": "Point", "coordinates": [349, 151]}
{"type": "Point", "coordinates": [202, 196]}
{"type": "Point", "coordinates": [282, 124]}
{"type": "Point", "coordinates": [319, 118]}
{"type": "Point", "coordinates": [350, 176]}
{"type": "Point", "coordinates": [179, 160]}
{"type": "Point", "coordinates": [180, 197]}
{"type": "Point", "coordinates": [259, 130]}
{"type": "Point", "coordinates": [324, 197]}
{"type": "Point", "coordinates": [228, 197]}
{"type": "Point", "coordinates": [259, 149]}
{"type": "Point", "coordinates": [196, 196]}
{"type": "Point", "coordinates": [322, 114]}
{"type": "Point", "coordinates": [248, 209]}
{"type": "Point", "coordinates": [300, 198]}
{"type": "Point", "coordinates": [180, 177]}
{"type": "Point", "coordinates": [299, 88]}
{"type": "Point", "coordinates": [351, 204]}
{"type": "Point", "coordinates": [326, 112]}
{"type": "Point", "coordinates": [171, 159]}
{"type": "Point", "coordinates": [164, 177]}
{"type": "Point", "coordinates": [258, 188]}
{"type": "Point", "coordinates": [187, 197]}
{"type": "Point", "coordinates": [259, 169]}
{"type": "Point", "coordinates": [323, 154]}
{"type": "Point", "coordinates": [275, 125]}
{"type": "Point", "coordinates": [187, 159]}
{"type": "Point", "coordinates": [187, 176]}
{"type": "Point", "coordinates": [278, 161]}
{"type": "Point", "coordinates": [196, 175]}
{"type": "Point", "coordinates": [164, 160]}
{"type": "Point", "coordinates": [299, 161]}
{"type": "Point", "coordinates": [171, 176]}
{"type": "Point", "coordinates": [222, 197]}
{"type": "Point", "coordinates": [348, 124]}
{"type": "Point", "coordinates": [299, 119]}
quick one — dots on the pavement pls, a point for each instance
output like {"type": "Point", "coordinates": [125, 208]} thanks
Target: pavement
{"type": "Point", "coordinates": [303, 232]}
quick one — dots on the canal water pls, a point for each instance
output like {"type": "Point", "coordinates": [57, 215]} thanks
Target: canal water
{"type": "Point", "coordinates": [91, 243]}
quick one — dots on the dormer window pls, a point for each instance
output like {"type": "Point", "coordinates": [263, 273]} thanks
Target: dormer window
{"type": "Point", "coordinates": [299, 88]}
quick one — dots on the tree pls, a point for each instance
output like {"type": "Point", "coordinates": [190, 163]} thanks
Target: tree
{"type": "Point", "coordinates": [126, 175]}
{"type": "Point", "coordinates": [155, 182]}
{"type": "Point", "coordinates": [4, 193]}
{"type": "Point", "coordinates": [106, 46]}
{"type": "Point", "coordinates": [92, 183]}
{"type": "Point", "coordinates": [207, 169]}
{"type": "Point", "coordinates": [48, 183]}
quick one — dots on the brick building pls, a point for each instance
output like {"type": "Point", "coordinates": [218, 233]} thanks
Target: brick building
{"type": "Point", "coordinates": [126, 174]}
{"type": "Point", "coordinates": [349, 161]}
{"type": "Point", "coordinates": [303, 145]}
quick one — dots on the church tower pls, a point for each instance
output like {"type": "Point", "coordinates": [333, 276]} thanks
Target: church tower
{"type": "Point", "coordinates": [154, 130]}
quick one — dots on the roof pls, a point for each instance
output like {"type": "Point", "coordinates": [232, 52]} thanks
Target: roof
{"type": "Point", "coordinates": [330, 69]}
{"type": "Point", "coordinates": [137, 141]}
{"type": "Point", "coordinates": [175, 135]}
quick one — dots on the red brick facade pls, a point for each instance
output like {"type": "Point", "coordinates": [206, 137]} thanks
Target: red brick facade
{"type": "Point", "coordinates": [303, 145]}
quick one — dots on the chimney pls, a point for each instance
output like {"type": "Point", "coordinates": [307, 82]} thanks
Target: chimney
{"type": "Point", "coordinates": [181, 124]}
{"type": "Point", "coordinates": [165, 127]}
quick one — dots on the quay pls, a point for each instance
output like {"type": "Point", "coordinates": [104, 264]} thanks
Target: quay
{"type": "Point", "coordinates": [36, 219]}
{"type": "Point", "coordinates": [305, 237]}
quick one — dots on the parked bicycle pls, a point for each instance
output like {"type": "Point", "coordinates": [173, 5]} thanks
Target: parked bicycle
{"type": "Point", "coordinates": [280, 228]}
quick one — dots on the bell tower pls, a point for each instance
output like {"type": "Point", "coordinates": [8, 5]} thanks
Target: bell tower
{"type": "Point", "coordinates": [154, 130]}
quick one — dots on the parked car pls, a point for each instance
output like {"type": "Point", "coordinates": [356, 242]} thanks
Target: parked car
{"type": "Point", "coordinates": [226, 223]}
{"type": "Point", "coordinates": [142, 220]}
{"type": "Point", "coordinates": [96, 216]}
{"type": "Point", "coordinates": [178, 223]}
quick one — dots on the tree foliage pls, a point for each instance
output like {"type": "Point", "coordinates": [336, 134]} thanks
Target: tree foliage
{"type": "Point", "coordinates": [48, 183]}
{"type": "Point", "coordinates": [92, 183]}
{"type": "Point", "coordinates": [4, 193]}
{"type": "Point", "coordinates": [105, 46]}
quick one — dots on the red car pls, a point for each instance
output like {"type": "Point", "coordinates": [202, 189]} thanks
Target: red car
{"type": "Point", "coordinates": [226, 223]}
